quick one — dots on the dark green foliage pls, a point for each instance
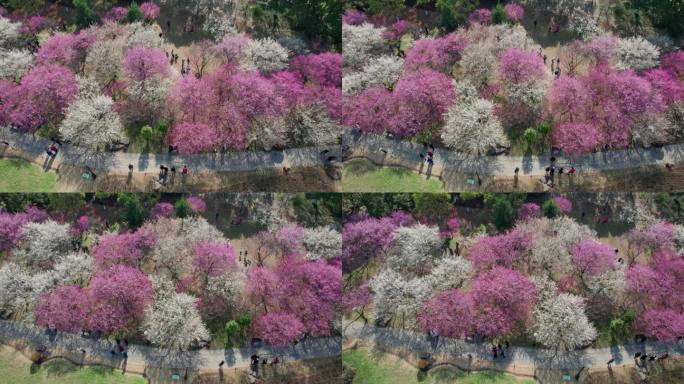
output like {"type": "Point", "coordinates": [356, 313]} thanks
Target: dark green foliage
{"type": "Point", "coordinates": [435, 207]}
{"type": "Point", "coordinates": [317, 20]}
{"type": "Point", "coordinates": [375, 204]}
{"type": "Point", "coordinates": [317, 209]}
{"type": "Point", "coordinates": [134, 13]}
{"type": "Point", "coordinates": [133, 213]}
{"type": "Point", "coordinates": [182, 208]}
{"type": "Point", "coordinates": [85, 16]}
{"type": "Point", "coordinates": [18, 202]}
{"type": "Point", "coordinates": [550, 209]}
{"type": "Point", "coordinates": [498, 14]}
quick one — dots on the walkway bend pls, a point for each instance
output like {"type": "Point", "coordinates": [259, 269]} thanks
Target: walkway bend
{"type": "Point", "coordinates": [536, 358]}
{"type": "Point", "coordinates": [141, 357]}
{"type": "Point", "coordinates": [31, 147]}
{"type": "Point", "coordinates": [405, 153]}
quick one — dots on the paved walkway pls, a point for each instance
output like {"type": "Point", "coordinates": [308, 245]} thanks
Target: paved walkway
{"type": "Point", "coordinates": [535, 358]}
{"type": "Point", "coordinates": [32, 148]}
{"type": "Point", "coordinates": [141, 357]}
{"type": "Point", "coordinates": [394, 151]}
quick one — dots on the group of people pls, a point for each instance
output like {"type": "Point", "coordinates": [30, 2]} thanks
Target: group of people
{"type": "Point", "coordinates": [164, 172]}
{"type": "Point", "coordinates": [550, 172]}
{"type": "Point", "coordinates": [256, 359]}
{"type": "Point", "coordinates": [121, 348]}
{"type": "Point", "coordinates": [428, 153]}
{"type": "Point", "coordinates": [555, 63]}
{"type": "Point", "coordinates": [500, 350]}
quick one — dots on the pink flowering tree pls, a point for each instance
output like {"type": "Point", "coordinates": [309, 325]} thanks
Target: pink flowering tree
{"type": "Point", "coordinates": [149, 10]}
{"type": "Point", "coordinates": [365, 240]}
{"type": "Point", "coordinates": [674, 61]}
{"type": "Point", "coordinates": [161, 209]}
{"type": "Point", "coordinates": [212, 259]}
{"type": "Point", "coordinates": [197, 204]}
{"type": "Point", "coordinates": [480, 16]}
{"type": "Point", "coordinates": [146, 63]}
{"type": "Point", "coordinates": [64, 309]}
{"type": "Point", "coordinates": [528, 211]}
{"type": "Point", "coordinates": [231, 48]}
{"type": "Point", "coordinates": [563, 203]}
{"type": "Point", "coordinates": [322, 69]}
{"type": "Point", "coordinates": [290, 239]}
{"type": "Point", "coordinates": [448, 313]}
{"type": "Point", "coordinates": [124, 248]}
{"type": "Point", "coordinates": [278, 328]}
{"type": "Point", "coordinates": [192, 138]}
{"type": "Point", "coordinates": [600, 49]}
{"type": "Point", "coordinates": [116, 14]}
{"type": "Point", "coordinates": [368, 110]}
{"type": "Point", "coordinates": [518, 66]}
{"type": "Point", "coordinates": [69, 50]}
{"type": "Point", "coordinates": [120, 295]}
{"type": "Point", "coordinates": [663, 324]}
{"type": "Point", "coordinates": [354, 17]}
{"type": "Point", "coordinates": [577, 138]}
{"type": "Point", "coordinates": [503, 300]}
{"type": "Point", "coordinates": [419, 101]}
{"type": "Point", "coordinates": [652, 238]}
{"type": "Point", "coordinates": [592, 258]}
{"type": "Point", "coordinates": [435, 53]}
{"type": "Point", "coordinates": [514, 12]}
{"type": "Point", "coordinates": [501, 250]}
{"type": "Point", "coordinates": [648, 287]}
{"type": "Point", "coordinates": [665, 81]}
{"type": "Point", "coordinates": [396, 30]}
{"type": "Point", "coordinates": [32, 25]}
{"type": "Point", "coordinates": [41, 97]}
{"type": "Point", "coordinates": [81, 226]}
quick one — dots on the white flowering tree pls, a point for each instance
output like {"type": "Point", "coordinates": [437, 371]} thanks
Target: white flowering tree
{"type": "Point", "coordinates": [9, 32]}
{"type": "Point", "coordinates": [478, 63]}
{"type": "Point", "coordinates": [311, 126]}
{"type": "Point", "coordinates": [415, 248]}
{"type": "Point", "coordinates": [473, 128]}
{"type": "Point", "coordinates": [636, 53]}
{"type": "Point", "coordinates": [14, 64]}
{"type": "Point", "coordinates": [74, 268]}
{"type": "Point", "coordinates": [360, 43]}
{"type": "Point", "coordinates": [173, 322]}
{"type": "Point", "coordinates": [398, 297]}
{"type": "Point", "coordinates": [91, 122]}
{"type": "Point", "coordinates": [42, 244]}
{"type": "Point", "coordinates": [16, 296]}
{"type": "Point", "coordinates": [382, 71]}
{"type": "Point", "coordinates": [560, 323]}
{"type": "Point", "coordinates": [267, 55]}
{"type": "Point", "coordinates": [450, 272]}
{"type": "Point", "coordinates": [322, 242]}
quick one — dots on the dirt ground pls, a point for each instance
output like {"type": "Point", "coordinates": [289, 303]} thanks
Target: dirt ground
{"type": "Point", "coordinates": [318, 371]}
{"type": "Point", "coordinates": [667, 372]}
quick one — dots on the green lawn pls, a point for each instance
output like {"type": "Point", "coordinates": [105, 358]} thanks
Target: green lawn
{"type": "Point", "coordinates": [15, 368]}
{"type": "Point", "coordinates": [21, 176]}
{"type": "Point", "coordinates": [380, 368]}
{"type": "Point", "coordinates": [360, 175]}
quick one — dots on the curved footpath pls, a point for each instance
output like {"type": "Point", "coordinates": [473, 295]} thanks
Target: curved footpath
{"type": "Point", "coordinates": [32, 148]}
{"type": "Point", "coordinates": [140, 357]}
{"type": "Point", "coordinates": [394, 151]}
{"type": "Point", "coordinates": [519, 360]}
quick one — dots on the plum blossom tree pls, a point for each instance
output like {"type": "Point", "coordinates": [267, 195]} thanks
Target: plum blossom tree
{"type": "Point", "coordinates": [174, 322]}
{"type": "Point", "coordinates": [478, 63]}
{"type": "Point", "coordinates": [529, 210]}
{"type": "Point", "coordinates": [267, 55]}
{"type": "Point", "coordinates": [415, 248]}
{"type": "Point", "coordinates": [438, 54]}
{"type": "Point", "coordinates": [42, 96]}
{"type": "Point", "coordinates": [480, 16]}
{"type": "Point", "coordinates": [448, 313]}
{"type": "Point", "coordinates": [368, 110]}
{"type": "Point", "coordinates": [64, 309]}
{"type": "Point", "coordinates": [473, 128]}
{"type": "Point", "coordinates": [322, 243]}
{"type": "Point", "coordinates": [419, 100]}
{"type": "Point", "coordinates": [518, 66]}
{"type": "Point", "coordinates": [146, 63]}
{"type": "Point", "coordinates": [503, 299]}
{"type": "Point", "coordinates": [279, 328]}
{"type": "Point", "coordinates": [92, 123]}
{"type": "Point", "coordinates": [674, 61]}
{"type": "Point", "coordinates": [364, 240]}
{"type": "Point", "coordinates": [149, 10]}
{"type": "Point", "coordinates": [161, 209]}
{"type": "Point", "coordinates": [503, 249]}
{"type": "Point", "coordinates": [192, 138]}
{"type": "Point", "coordinates": [116, 14]}
{"type": "Point", "coordinates": [197, 204]}
{"type": "Point", "coordinates": [361, 42]}
{"type": "Point", "coordinates": [120, 296]}
{"type": "Point", "coordinates": [514, 12]}
{"type": "Point", "coordinates": [69, 50]}
{"type": "Point", "coordinates": [577, 138]}
{"type": "Point", "coordinates": [214, 259]}
{"type": "Point", "coordinates": [354, 17]}
{"type": "Point", "coordinates": [9, 32]}
{"type": "Point", "coordinates": [231, 50]}
{"type": "Point", "coordinates": [592, 258]}
{"type": "Point", "coordinates": [124, 248]}
{"type": "Point", "coordinates": [450, 272]}
{"type": "Point", "coordinates": [601, 49]}
{"type": "Point", "coordinates": [636, 53]}
{"type": "Point", "coordinates": [563, 204]}
{"type": "Point", "coordinates": [14, 64]}
{"type": "Point", "coordinates": [398, 297]}
{"type": "Point", "coordinates": [42, 243]}
{"type": "Point", "coordinates": [664, 325]}
{"type": "Point", "coordinates": [290, 238]}
{"type": "Point", "coordinates": [561, 323]}
{"type": "Point", "coordinates": [17, 297]}
{"type": "Point", "coordinates": [382, 71]}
